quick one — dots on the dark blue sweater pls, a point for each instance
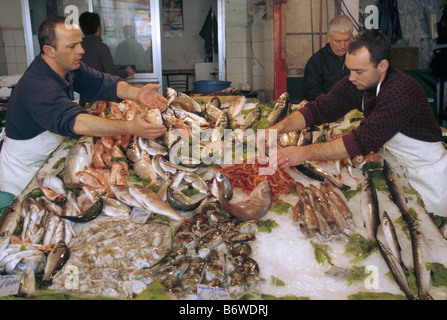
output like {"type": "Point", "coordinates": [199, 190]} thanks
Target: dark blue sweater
{"type": "Point", "coordinates": [43, 101]}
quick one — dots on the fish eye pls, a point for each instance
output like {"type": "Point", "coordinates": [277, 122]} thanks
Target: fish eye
{"type": "Point", "coordinates": [2, 234]}
{"type": "Point", "coordinates": [219, 176]}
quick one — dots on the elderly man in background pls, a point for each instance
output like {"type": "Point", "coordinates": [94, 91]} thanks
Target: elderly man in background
{"type": "Point", "coordinates": [327, 66]}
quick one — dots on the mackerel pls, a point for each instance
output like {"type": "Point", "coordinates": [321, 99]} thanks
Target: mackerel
{"type": "Point", "coordinates": [396, 188]}
{"type": "Point", "coordinates": [316, 172]}
{"type": "Point", "coordinates": [391, 238]}
{"type": "Point", "coordinates": [370, 207]}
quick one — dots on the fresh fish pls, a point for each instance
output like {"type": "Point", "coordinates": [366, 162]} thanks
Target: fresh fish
{"type": "Point", "coordinates": [396, 269]}
{"type": "Point", "coordinates": [11, 217]}
{"type": "Point", "coordinates": [308, 222]}
{"type": "Point", "coordinates": [391, 238]}
{"type": "Point", "coordinates": [251, 118]}
{"type": "Point", "coordinates": [145, 170]}
{"type": "Point", "coordinates": [227, 187]}
{"type": "Point", "coordinates": [115, 208]}
{"type": "Point", "coordinates": [35, 256]}
{"type": "Point", "coordinates": [289, 139]}
{"type": "Point", "coordinates": [78, 159]}
{"type": "Point", "coordinates": [89, 214]}
{"type": "Point", "coordinates": [154, 116]}
{"type": "Point", "coordinates": [305, 137]}
{"type": "Point", "coordinates": [196, 106]}
{"type": "Point", "coordinates": [133, 151]}
{"type": "Point", "coordinates": [152, 202]}
{"type": "Point", "coordinates": [51, 186]}
{"type": "Point", "coordinates": [122, 193]}
{"type": "Point", "coordinates": [162, 192]}
{"type": "Point", "coordinates": [282, 106]}
{"type": "Point", "coordinates": [236, 106]}
{"type": "Point", "coordinates": [179, 201]}
{"type": "Point", "coordinates": [171, 95]}
{"type": "Point", "coordinates": [156, 163]}
{"type": "Point", "coordinates": [396, 188]}
{"type": "Point", "coordinates": [341, 205]}
{"type": "Point", "coordinates": [183, 103]}
{"type": "Point", "coordinates": [28, 280]}
{"type": "Point", "coordinates": [370, 207]}
{"type": "Point", "coordinates": [190, 117]}
{"type": "Point", "coordinates": [152, 147]}
{"type": "Point", "coordinates": [316, 172]}
{"type": "Point", "coordinates": [254, 207]}
{"type": "Point", "coordinates": [197, 182]}
{"type": "Point", "coordinates": [5, 237]}
{"type": "Point", "coordinates": [212, 109]}
{"type": "Point", "coordinates": [55, 261]}
{"type": "Point", "coordinates": [222, 123]}
{"type": "Point", "coordinates": [171, 167]}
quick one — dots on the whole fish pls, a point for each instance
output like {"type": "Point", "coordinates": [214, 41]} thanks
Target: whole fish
{"type": "Point", "coordinates": [51, 186]}
{"type": "Point", "coordinates": [156, 163]}
{"type": "Point", "coordinates": [370, 207]}
{"type": "Point", "coordinates": [391, 238]}
{"type": "Point", "coordinates": [152, 202]}
{"type": "Point", "coordinates": [197, 182]}
{"type": "Point", "coordinates": [5, 237]}
{"type": "Point", "coordinates": [145, 170]}
{"type": "Point", "coordinates": [396, 269]}
{"type": "Point", "coordinates": [196, 106]}
{"type": "Point", "coordinates": [179, 201]}
{"type": "Point", "coordinates": [122, 193]}
{"type": "Point", "coordinates": [289, 139]}
{"type": "Point", "coordinates": [11, 217]}
{"type": "Point", "coordinates": [27, 286]}
{"type": "Point", "coordinates": [171, 95]}
{"type": "Point", "coordinates": [281, 108]}
{"type": "Point", "coordinates": [254, 207]}
{"type": "Point", "coordinates": [316, 172]}
{"type": "Point", "coordinates": [227, 187]}
{"type": "Point", "coordinates": [305, 137]}
{"type": "Point", "coordinates": [133, 151]}
{"type": "Point", "coordinates": [115, 208]}
{"type": "Point", "coordinates": [395, 187]}
{"type": "Point", "coordinates": [89, 214]}
{"type": "Point", "coordinates": [212, 109]}
{"type": "Point", "coordinates": [78, 159]}
{"type": "Point", "coordinates": [236, 106]}
{"type": "Point", "coordinates": [152, 147]}
{"type": "Point", "coordinates": [251, 118]}
{"type": "Point", "coordinates": [55, 261]}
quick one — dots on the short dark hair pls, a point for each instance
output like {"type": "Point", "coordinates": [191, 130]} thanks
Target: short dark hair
{"type": "Point", "coordinates": [46, 33]}
{"type": "Point", "coordinates": [377, 43]}
{"type": "Point", "coordinates": [89, 22]}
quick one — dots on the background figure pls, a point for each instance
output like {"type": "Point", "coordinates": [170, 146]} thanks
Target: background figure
{"type": "Point", "coordinates": [97, 54]}
{"type": "Point", "coordinates": [131, 52]}
{"type": "Point", "coordinates": [327, 66]}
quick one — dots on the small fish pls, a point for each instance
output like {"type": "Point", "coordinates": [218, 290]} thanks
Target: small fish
{"type": "Point", "coordinates": [251, 118]}
{"type": "Point", "coordinates": [391, 238]}
{"type": "Point", "coordinates": [282, 106]}
{"type": "Point", "coordinates": [396, 269]}
{"type": "Point", "coordinates": [133, 151]}
{"type": "Point", "coordinates": [149, 200]}
{"type": "Point", "coordinates": [122, 193]}
{"type": "Point", "coordinates": [254, 207]}
{"type": "Point", "coordinates": [152, 147]}
{"type": "Point", "coordinates": [115, 208]}
{"type": "Point", "coordinates": [396, 188]}
{"type": "Point", "coordinates": [179, 201]}
{"type": "Point", "coordinates": [89, 214]}
{"type": "Point", "coordinates": [370, 207]}
{"type": "Point", "coordinates": [55, 261]}
{"type": "Point", "coordinates": [236, 106]}
{"type": "Point", "coordinates": [315, 172]}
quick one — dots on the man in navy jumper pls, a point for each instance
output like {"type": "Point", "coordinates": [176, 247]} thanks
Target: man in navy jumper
{"type": "Point", "coordinates": [41, 110]}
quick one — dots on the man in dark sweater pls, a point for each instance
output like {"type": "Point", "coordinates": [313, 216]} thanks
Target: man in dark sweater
{"type": "Point", "coordinates": [397, 116]}
{"type": "Point", "coordinates": [97, 54]}
{"type": "Point", "coordinates": [41, 110]}
{"type": "Point", "coordinates": [327, 66]}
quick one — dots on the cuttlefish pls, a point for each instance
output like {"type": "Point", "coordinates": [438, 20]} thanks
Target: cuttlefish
{"type": "Point", "coordinates": [254, 206]}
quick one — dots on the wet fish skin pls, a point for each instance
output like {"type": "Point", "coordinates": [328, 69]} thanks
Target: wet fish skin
{"type": "Point", "coordinates": [396, 269]}
{"type": "Point", "coordinates": [254, 207]}
{"type": "Point", "coordinates": [391, 238]}
{"type": "Point", "coordinates": [11, 217]}
{"type": "Point", "coordinates": [396, 189]}
{"type": "Point", "coordinates": [370, 207]}
{"type": "Point", "coordinates": [212, 109]}
{"type": "Point", "coordinates": [89, 214]}
{"type": "Point", "coordinates": [179, 201]}
{"type": "Point", "coordinates": [28, 281]}
{"type": "Point", "coordinates": [55, 261]}
{"type": "Point", "coordinates": [236, 106]}
{"type": "Point", "coordinates": [316, 172]}
{"type": "Point", "coordinates": [122, 193]}
{"type": "Point", "coordinates": [78, 158]}
{"type": "Point", "coordinates": [152, 147]}
{"type": "Point", "coordinates": [281, 107]}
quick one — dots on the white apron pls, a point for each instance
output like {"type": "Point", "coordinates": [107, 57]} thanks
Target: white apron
{"type": "Point", "coordinates": [21, 159]}
{"type": "Point", "coordinates": [425, 166]}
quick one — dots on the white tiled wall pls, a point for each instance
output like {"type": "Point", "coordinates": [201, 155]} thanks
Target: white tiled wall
{"type": "Point", "coordinates": [12, 51]}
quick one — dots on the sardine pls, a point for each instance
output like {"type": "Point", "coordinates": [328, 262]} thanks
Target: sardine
{"type": "Point", "coordinates": [179, 201]}
{"type": "Point", "coordinates": [316, 172]}
{"type": "Point", "coordinates": [370, 207]}
{"type": "Point", "coordinates": [251, 118]}
{"type": "Point", "coordinates": [236, 106]}
{"type": "Point", "coordinates": [91, 213]}
{"type": "Point", "coordinates": [55, 261]}
{"type": "Point", "coordinates": [254, 207]}
{"type": "Point", "coordinates": [78, 158]}
{"type": "Point", "coordinates": [391, 238]}
{"type": "Point", "coordinates": [282, 107]}
{"type": "Point", "coordinates": [396, 269]}
{"type": "Point", "coordinates": [11, 217]}
{"type": "Point", "coordinates": [152, 202]}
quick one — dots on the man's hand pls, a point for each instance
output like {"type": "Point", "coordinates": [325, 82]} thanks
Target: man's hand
{"type": "Point", "coordinates": [149, 97]}
{"type": "Point", "coordinates": [145, 129]}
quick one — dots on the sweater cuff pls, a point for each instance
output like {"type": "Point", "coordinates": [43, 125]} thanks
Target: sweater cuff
{"type": "Point", "coordinates": [351, 145]}
{"type": "Point", "coordinates": [308, 116]}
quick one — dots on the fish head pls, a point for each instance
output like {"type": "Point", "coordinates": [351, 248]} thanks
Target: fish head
{"type": "Point", "coordinates": [5, 237]}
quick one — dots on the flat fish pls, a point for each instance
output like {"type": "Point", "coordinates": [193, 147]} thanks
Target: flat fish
{"type": "Point", "coordinates": [254, 207]}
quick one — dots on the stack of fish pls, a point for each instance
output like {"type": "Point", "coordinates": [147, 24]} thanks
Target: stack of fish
{"type": "Point", "coordinates": [322, 212]}
{"type": "Point", "coordinates": [211, 250]}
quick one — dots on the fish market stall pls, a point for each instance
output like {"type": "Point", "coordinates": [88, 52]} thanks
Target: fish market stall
{"type": "Point", "coordinates": [124, 217]}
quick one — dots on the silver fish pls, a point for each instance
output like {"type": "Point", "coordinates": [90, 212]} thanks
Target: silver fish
{"type": "Point", "coordinates": [91, 213]}
{"type": "Point", "coordinates": [282, 107]}
{"type": "Point", "coordinates": [11, 217]}
{"type": "Point", "coordinates": [236, 106]}
{"type": "Point", "coordinates": [152, 147]}
{"type": "Point", "coordinates": [251, 118]}
{"type": "Point", "coordinates": [115, 208]}
{"type": "Point", "coordinates": [305, 137]}
{"type": "Point", "coordinates": [145, 170]}
{"type": "Point", "coordinates": [396, 269]}
{"type": "Point", "coordinates": [122, 193]}
{"type": "Point", "coordinates": [370, 207]}
{"type": "Point", "coordinates": [254, 207]}
{"type": "Point", "coordinates": [179, 201]}
{"type": "Point", "coordinates": [152, 202]}
{"type": "Point", "coordinates": [212, 109]}
{"type": "Point", "coordinates": [5, 237]}
{"type": "Point", "coordinates": [171, 167]}
{"type": "Point", "coordinates": [78, 158]}
{"type": "Point", "coordinates": [55, 261]}
{"type": "Point", "coordinates": [28, 281]}
{"type": "Point", "coordinates": [316, 172]}
{"type": "Point", "coordinates": [391, 238]}
{"type": "Point", "coordinates": [156, 163]}
{"type": "Point", "coordinates": [396, 188]}
{"type": "Point", "coordinates": [227, 187]}
{"type": "Point", "coordinates": [133, 151]}
{"type": "Point", "coordinates": [197, 182]}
